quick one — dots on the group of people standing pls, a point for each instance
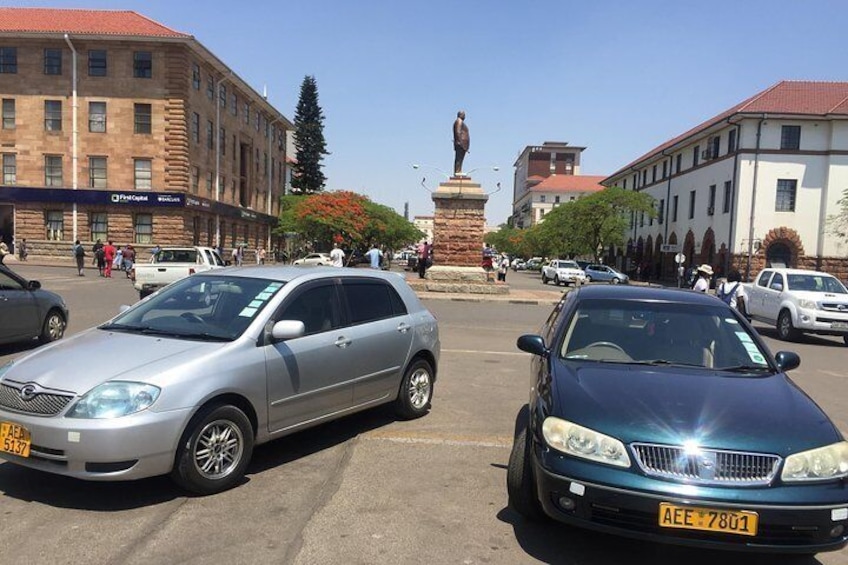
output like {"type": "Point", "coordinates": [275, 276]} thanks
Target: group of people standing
{"type": "Point", "coordinates": [106, 257]}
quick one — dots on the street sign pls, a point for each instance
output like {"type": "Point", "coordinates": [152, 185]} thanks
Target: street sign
{"type": "Point", "coordinates": [679, 258]}
{"type": "Point", "coordinates": [670, 248]}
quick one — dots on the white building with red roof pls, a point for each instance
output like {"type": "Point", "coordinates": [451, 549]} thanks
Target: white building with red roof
{"type": "Point", "coordinates": [751, 187]}
{"type": "Point", "coordinates": [546, 176]}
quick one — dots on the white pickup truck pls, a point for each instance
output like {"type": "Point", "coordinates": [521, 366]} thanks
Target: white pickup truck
{"type": "Point", "coordinates": [798, 301]}
{"type": "Point", "coordinates": [564, 272]}
{"type": "Point", "coordinates": [171, 264]}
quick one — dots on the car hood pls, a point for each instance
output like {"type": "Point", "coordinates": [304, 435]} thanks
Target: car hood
{"type": "Point", "coordinates": [80, 363]}
{"type": "Point", "coordinates": [670, 406]}
{"type": "Point", "coordinates": [828, 297]}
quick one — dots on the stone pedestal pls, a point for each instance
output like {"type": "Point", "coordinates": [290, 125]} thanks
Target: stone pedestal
{"type": "Point", "coordinates": [458, 227]}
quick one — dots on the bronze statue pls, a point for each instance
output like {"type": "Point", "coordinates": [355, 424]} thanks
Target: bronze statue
{"type": "Point", "coordinates": [461, 142]}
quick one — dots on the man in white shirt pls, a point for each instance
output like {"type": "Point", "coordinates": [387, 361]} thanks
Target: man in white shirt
{"type": "Point", "coordinates": [337, 256]}
{"type": "Point", "coordinates": [705, 272]}
{"type": "Point", "coordinates": [732, 292]}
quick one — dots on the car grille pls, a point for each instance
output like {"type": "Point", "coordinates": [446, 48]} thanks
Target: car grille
{"type": "Point", "coordinates": [834, 307]}
{"type": "Point", "coordinates": [707, 466]}
{"type": "Point", "coordinates": [42, 404]}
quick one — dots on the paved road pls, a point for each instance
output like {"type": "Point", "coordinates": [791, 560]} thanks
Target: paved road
{"type": "Point", "coordinates": [367, 489]}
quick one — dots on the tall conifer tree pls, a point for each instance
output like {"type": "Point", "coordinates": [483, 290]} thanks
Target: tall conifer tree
{"type": "Point", "coordinates": [309, 140]}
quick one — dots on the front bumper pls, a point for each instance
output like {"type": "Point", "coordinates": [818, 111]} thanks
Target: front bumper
{"type": "Point", "coordinates": [132, 447]}
{"type": "Point", "coordinates": [822, 322]}
{"type": "Point", "coordinates": [812, 525]}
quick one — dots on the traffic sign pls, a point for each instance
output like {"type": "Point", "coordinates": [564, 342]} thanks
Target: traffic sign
{"type": "Point", "coordinates": [679, 258]}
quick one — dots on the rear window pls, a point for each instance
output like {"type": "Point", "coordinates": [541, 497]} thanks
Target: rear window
{"type": "Point", "coordinates": [176, 256]}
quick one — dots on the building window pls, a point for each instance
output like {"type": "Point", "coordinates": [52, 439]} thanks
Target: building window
{"type": "Point", "coordinates": [143, 118]}
{"type": "Point", "coordinates": [696, 155]}
{"type": "Point", "coordinates": [195, 76]}
{"type": "Point", "coordinates": [97, 172]}
{"type": "Point", "coordinates": [654, 174]}
{"type": "Point", "coordinates": [195, 179]}
{"type": "Point", "coordinates": [541, 198]}
{"type": "Point", "coordinates": [143, 64]}
{"type": "Point", "coordinates": [691, 204]}
{"type": "Point", "coordinates": [644, 177]}
{"type": "Point", "coordinates": [8, 113]}
{"type": "Point", "coordinates": [661, 212]}
{"type": "Point", "coordinates": [624, 184]}
{"type": "Point", "coordinates": [674, 209]}
{"type": "Point", "coordinates": [54, 222]}
{"type": "Point", "coordinates": [52, 61]}
{"type": "Point", "coordinates": [556, 198]}
{"type": "Point", "coordinates": [53, 115]}
{"type": "Point", "coordinates": [258, 119]}
{"type": "Point", "coordinates": [97, 63]}
{"type": "Point", "coordinates": [711, 207]}
{"type": "Point", "coordinates": [790, 137]}
{"type": "Point", "coordinates": [786, 189]}
{"type": "Point", "coordinates": [222, 94]}
{"type": "Point", "coordinates": [635, 181]}
{"type": "Point", "coordinates": [209, 177]}
{"type": "Point", "coordinates": [97, 117]}
{"type": "Point", "coordinates": [223, 135]}
{"type": "Point", "coordinates": [642, 219]}
{"type": "Point", "coordinates": [195, 127]}
{"type": "Point", "coordinates": [210, 134]}
{"type": "Point", "coordinates": [143, 174]}
{"type": "Point", "coordinates": [210, 87]}
{"type": "Point", "coordinates": [210, 232]}
{"type": "Point", "coordinates": [678, 164]}
{"type": "Point", "coordinates": [716, 147]}
{"type": "Point", "coordinates": [728, 194]}
{"type": "Point", "coordinates": [665, 169]}
{"type": "Point", "coordinates": [731, 141]}
{"type": "Point", "coordinates": [234, 104]}
{"type": "Point", "coordinates": [143, 228]}
{"type": "Point", "coordinates": [9, 60]}
{"type": "Point", "coordinates": [10, 169]}
{"type": "Point", "coordinates": [53, 170]}
{"type": "Point", "coordinates": [246, 114]}
{"type": "Point", "coordinates": [99, 223]}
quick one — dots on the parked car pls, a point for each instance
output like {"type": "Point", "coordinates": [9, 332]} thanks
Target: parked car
{"type": "Point", "coordinates": [564, 272]}
{"type": "Point", "coordinates": [518, 264]}
{"type": "Point", "coordinates": [315, 259]}
{"type": "Point", "coordinates": [28, 311]}
{"type": "Point", "coordinates": [534, 264]}
{"type": "Point", "coordinates": [798, 301]}
{"type": "Point", "coordinates": [219, 362]}
{"type": "Point", "coordinates": [604, 273]}
{"type": "Point", "coordinates": [660, 414]}
{"type": "Point", "coordinates": [170, 264]}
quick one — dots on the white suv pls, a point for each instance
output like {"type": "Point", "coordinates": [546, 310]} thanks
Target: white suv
{"type": "Point", "coordinates": [798, 301]}
{"type": "Point", "coordinates": [563, 272]}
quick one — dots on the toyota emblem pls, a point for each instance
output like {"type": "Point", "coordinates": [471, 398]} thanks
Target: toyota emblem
{"type": "Point", "coordinates": [28, 393]}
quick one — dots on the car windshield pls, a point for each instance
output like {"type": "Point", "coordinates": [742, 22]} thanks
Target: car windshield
{"type": "Point", "coordinates": [661, 333]}
{"type": "Point", "coordinates": [815, 283]}
{"type": "Point", "coordinates": [213, 308]}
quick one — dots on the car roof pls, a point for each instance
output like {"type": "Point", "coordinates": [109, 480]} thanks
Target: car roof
{"type": "Point", "coordinates": [288, 273]}
{"type": "Point", "coordinates": [797, 271]}
{"type": "Point", "coordinates": [636, 292]}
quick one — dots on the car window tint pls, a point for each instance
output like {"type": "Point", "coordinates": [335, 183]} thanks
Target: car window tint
{"type": "Point", "coordinates": [368, 301]}
{"type": "Point", "coordinates": [317, 307]}
{"type": "Point", "coordinates": [398, 306]}
{"type": "Point", "coordinates": [763, 279]}
{"type": "Point", "coordinates": [8, 283]}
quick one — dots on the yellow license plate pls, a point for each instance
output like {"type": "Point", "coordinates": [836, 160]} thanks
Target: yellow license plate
{"type": "Point", "coordinates": [14, 439]}
{"type": "Point", "coordinates": [740, 522]}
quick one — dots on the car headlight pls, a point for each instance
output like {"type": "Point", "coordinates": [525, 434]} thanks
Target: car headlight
{"type": "Point", "coordinates": [578, 441]}
{"type": "Point", "coordinates": [807, 304]}
{"type": "Point", "coordinates": [5, 368]}
{"type": "Point", "coordinates": [115, 399]}
{"type": "Point", "coordinates": [821, 464]}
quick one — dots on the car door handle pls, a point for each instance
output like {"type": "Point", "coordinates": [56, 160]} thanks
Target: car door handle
{"type": "Point", "coordinates": [403, 327]}
{"type": "Point", "coordinates": [342, 342]}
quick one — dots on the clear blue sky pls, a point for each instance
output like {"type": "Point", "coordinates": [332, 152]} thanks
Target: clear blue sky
{"type": "Point", "coordinates": [617, 77]}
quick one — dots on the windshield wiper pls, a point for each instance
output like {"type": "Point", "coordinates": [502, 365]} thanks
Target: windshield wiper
{"type": "Point", "coordinates": [745, 369]}
{"type": "Point", "coordinates": [148, 330]}
{"type": "Point", "coordinates": [119, 327]}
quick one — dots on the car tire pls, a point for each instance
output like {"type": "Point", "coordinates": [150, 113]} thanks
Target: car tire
{"type": "Point", "coordinates": [544, 279]}
{"type": "Point", "coordinates": [53, 327]}
{"type": "Point", "coordinates": [616, 280]}
{"type": "Point", "coordinates": [520, 484]}
{"type": "Point", "coordinates": [785, 330]}
{"type": "Point", "coordinates": [416, 390]}
{"type": "Point", "coordinates": [588, 278]}
{"type": "Point", "coordinates": [556, 280]}
{"type": "Point", "coordinates": [226, 432]}
{"type": "Point", "coordinates": [845, 339]}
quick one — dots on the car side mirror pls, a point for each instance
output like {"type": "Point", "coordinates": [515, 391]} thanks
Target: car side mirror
{"type": "Point", "coordinates": [33, 285]}
{"type": "Point", "coordinates": [287, 329]}
{"type": "Point", "coordinates": [777, 286]}
{"type": "Point", "coordinates": [787, 360]}
{"type": "Point", "coordinates": [534, 344]}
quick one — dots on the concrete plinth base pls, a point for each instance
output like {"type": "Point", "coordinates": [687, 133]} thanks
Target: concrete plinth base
{"type": "Point", "coordinates": [466, 280]}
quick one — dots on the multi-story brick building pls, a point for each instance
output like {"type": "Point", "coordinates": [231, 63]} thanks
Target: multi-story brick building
{"type": "Point", "coordinates": [546, 176]}
{"type": "Point", "coordinates": [117, 127]}
{"type": "Point", "coordinates": [751, 187]}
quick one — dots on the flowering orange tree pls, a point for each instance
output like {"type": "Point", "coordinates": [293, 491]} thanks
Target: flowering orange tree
{"type": "Point", "coordinates": [346, 218]}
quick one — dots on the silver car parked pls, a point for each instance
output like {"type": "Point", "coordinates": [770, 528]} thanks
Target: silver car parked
{"type": "Point", "coordinates": [213, 365]}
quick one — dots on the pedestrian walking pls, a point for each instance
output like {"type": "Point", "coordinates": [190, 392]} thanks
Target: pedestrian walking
{"type": "Point", "coordinates": [118, 259]}
{"type": "Point", "coordinates": [109, 254]}
{"type": "Point", "coordinates": [22, 250]}
{"type": "Point", "coordinates": [99, 256]}
{"type": "Point", "coordinates": [337, 256]}
{"type": "Point", "coordinates": [488, 262]}
{"type": "Point", "coordinates": [703, 283]}
{"type": "Point", "coordinates": [79, 256]}
{"type": "Point", "coordinates": [260, 256]}
{"type": "Point", "coordinates": [129, 259]}
{"type": "Point", "coordinates": [4, 250]}
{"type": "Point", "coordinates": [425, 258]}
{"type": "Point", "coordinates": [503, 267]}
{"type": "Point", "coordinates": [732, 292]}
{"type": "Point", "coordinates": [375, 256]}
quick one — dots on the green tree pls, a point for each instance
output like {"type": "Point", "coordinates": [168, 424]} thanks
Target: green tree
{"type": "Point", "coordinates": [387, 227]}
{"type": "Point", "coordinates": [588, 225]}
{"type": "Point", "coordinates": [507, 240]}
{"type": "Point", "coordinates": [307, 176]}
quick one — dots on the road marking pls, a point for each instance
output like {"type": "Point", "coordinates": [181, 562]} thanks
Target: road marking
{"type": "Point", "coordinates": [832, 373]}
{"type": "Point", "coordinates": [500, 442]}
{"type": "Point", "coordinates": [481, 352]}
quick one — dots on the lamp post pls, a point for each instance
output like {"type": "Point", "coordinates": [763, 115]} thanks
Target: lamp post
{"type": "Point", "coordinates": [218, 85]}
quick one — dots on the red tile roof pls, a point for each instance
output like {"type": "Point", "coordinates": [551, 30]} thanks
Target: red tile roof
{"type": "Point", "coordinates": [569, 183]}
{"type": "Point", "coordinates": [83, 22]}
{"type": "Point", "coordinates": [786, 97]}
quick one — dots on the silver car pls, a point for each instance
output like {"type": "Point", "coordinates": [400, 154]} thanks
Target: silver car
{"type": "Point", "coordinates": [28, 311]}
{"type": "Point", "coordinates": [214, 364]}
